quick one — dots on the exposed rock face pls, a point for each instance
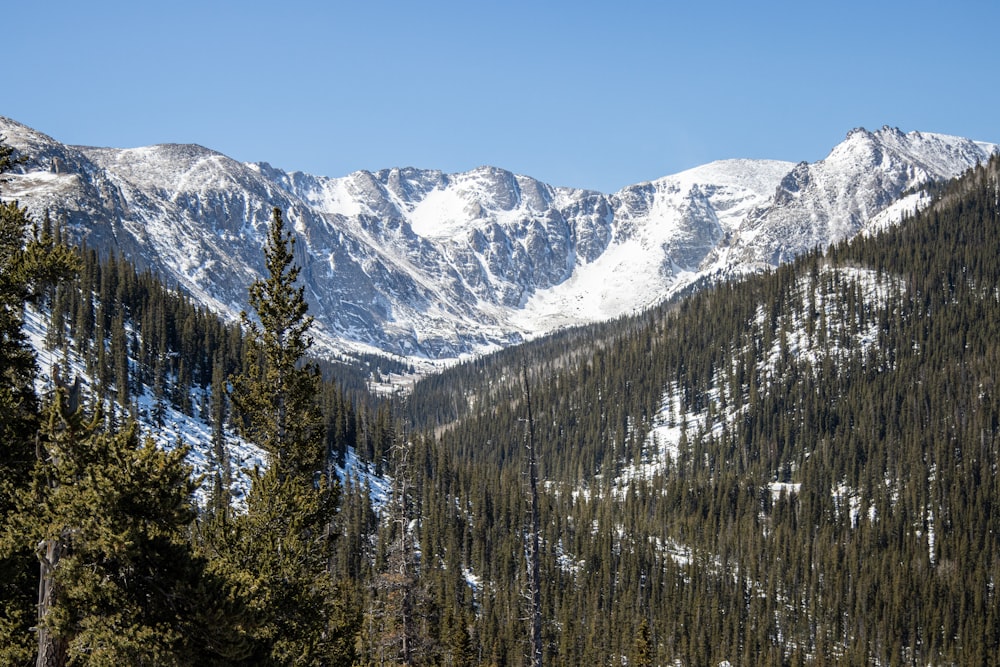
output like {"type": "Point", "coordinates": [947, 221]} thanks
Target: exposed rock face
{"type": "Point", "coordinates": [423, 263]}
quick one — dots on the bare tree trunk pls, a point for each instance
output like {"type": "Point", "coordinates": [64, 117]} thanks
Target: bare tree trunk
{"type": "Point", "coordinates": [532, 546]}
{"type": "Point", "coordinates": [51, 649]}
{"type": "Point", "coordinates": [402, 472]}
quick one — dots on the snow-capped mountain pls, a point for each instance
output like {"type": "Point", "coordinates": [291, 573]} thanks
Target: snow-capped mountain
{"type": "Point", "coordinates": [421, 263]}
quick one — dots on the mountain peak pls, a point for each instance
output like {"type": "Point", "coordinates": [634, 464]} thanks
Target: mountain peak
{"type": "Point", "coordinates": [427, 264]}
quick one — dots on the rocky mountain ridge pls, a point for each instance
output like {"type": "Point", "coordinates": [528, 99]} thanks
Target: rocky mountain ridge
{"type": "Point", "coordinates": [429, 265]}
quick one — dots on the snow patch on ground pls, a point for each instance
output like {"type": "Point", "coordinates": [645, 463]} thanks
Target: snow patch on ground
{"type": "Point", "coordinates": [675, 423]}
{"type": "Point", "coordinates": [180, 429]}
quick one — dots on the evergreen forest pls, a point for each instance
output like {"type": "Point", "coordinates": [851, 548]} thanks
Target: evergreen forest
{"type": "Point", "coordinates": [799, 467]}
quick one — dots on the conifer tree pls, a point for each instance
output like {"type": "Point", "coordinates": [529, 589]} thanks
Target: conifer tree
{"type": "Point", "coordinates": [221, 499]}
{"type": "Point", "coordinates": [399, 601]}
{"type": "Point", "coordinates": [642, 654]}
{"type": "Point", "coordinates": [119, 580]}
{"type": "Point", "coordinates": [532, 541]}
{"type": "Point", "coordinates": [282, 546]}
{"type": "Point", "coordinates": [275, 397]}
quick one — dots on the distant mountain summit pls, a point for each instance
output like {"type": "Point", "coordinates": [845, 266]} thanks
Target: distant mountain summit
{"type": "Point", "coordinates": [420, 263]}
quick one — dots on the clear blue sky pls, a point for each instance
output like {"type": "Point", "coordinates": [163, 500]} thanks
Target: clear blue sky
{"type": "Point", "coordinates": [585, 94]}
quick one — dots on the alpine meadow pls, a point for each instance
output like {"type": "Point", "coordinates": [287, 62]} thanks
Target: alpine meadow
{"type": "Point", "coordinates": [743, 415]}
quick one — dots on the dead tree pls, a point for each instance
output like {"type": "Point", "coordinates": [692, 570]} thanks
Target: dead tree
{"type": "Point", "coordinates": [531, 546]}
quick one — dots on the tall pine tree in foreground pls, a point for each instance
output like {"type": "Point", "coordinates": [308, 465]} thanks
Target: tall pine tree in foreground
{"type": "Point", "coordinates": [281, 548]}
{"type": "Point", "coordinates": [275, 399]}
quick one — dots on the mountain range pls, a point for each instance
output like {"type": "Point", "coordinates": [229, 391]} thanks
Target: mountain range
{"type": "Point", "coordinates": [795, 467]}
{"type": "Point", "coordinates": [432, 266]}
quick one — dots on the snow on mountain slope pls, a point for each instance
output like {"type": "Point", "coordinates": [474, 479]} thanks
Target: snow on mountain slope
{"type": "Point", "coordinates": [678, 423]}
{"type": "Point", "coordinates": [662, 232]}
{"type": "Point", "coordinates": [835, 198]}
{"type": "Point", "coordinates": [430, 265]}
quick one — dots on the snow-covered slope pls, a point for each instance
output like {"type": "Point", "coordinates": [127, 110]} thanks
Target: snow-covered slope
{"type": "Point", "coordinates": [175, 427]}
{"type": "Point", "coordinates": [431, 265]}
{"type": "Point", "coordinates": [835, 198]}
{"type": "Point", "coordinates": [661, 233]}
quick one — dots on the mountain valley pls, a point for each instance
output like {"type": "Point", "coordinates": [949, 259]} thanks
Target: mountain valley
{"type": "Point", "coordinates": [760, 399]}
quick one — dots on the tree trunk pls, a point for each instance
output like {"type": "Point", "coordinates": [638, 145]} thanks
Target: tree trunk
{"type": "Point", "coordinates": [534, 574]}
{"type": "Point", "coordinates": [51, 648]}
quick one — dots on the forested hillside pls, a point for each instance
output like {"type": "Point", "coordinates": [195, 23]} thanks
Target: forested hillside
{"type": "Point", "coordinates": [105, 554]}
{"type": "Point", "coordinates": [796, 468]}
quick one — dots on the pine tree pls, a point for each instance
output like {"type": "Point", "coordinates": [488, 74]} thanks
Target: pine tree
{"type": "Point", "coordinates": [282, 546]}
{"type": "Point", "coordinates": [119, 580]}
{"type": "Point", "coordinates": [222, 477]}
{"type": "Point", "coordinates": [397, 616]}
{"type": "Point", "coordinates": [642, 651]}
{"type": "Point", "coordinates": [67, 426]}
{"type": "Point", "coordinates": [275, 397]}
{"type": "Point", "coordinates": [532, 537]}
